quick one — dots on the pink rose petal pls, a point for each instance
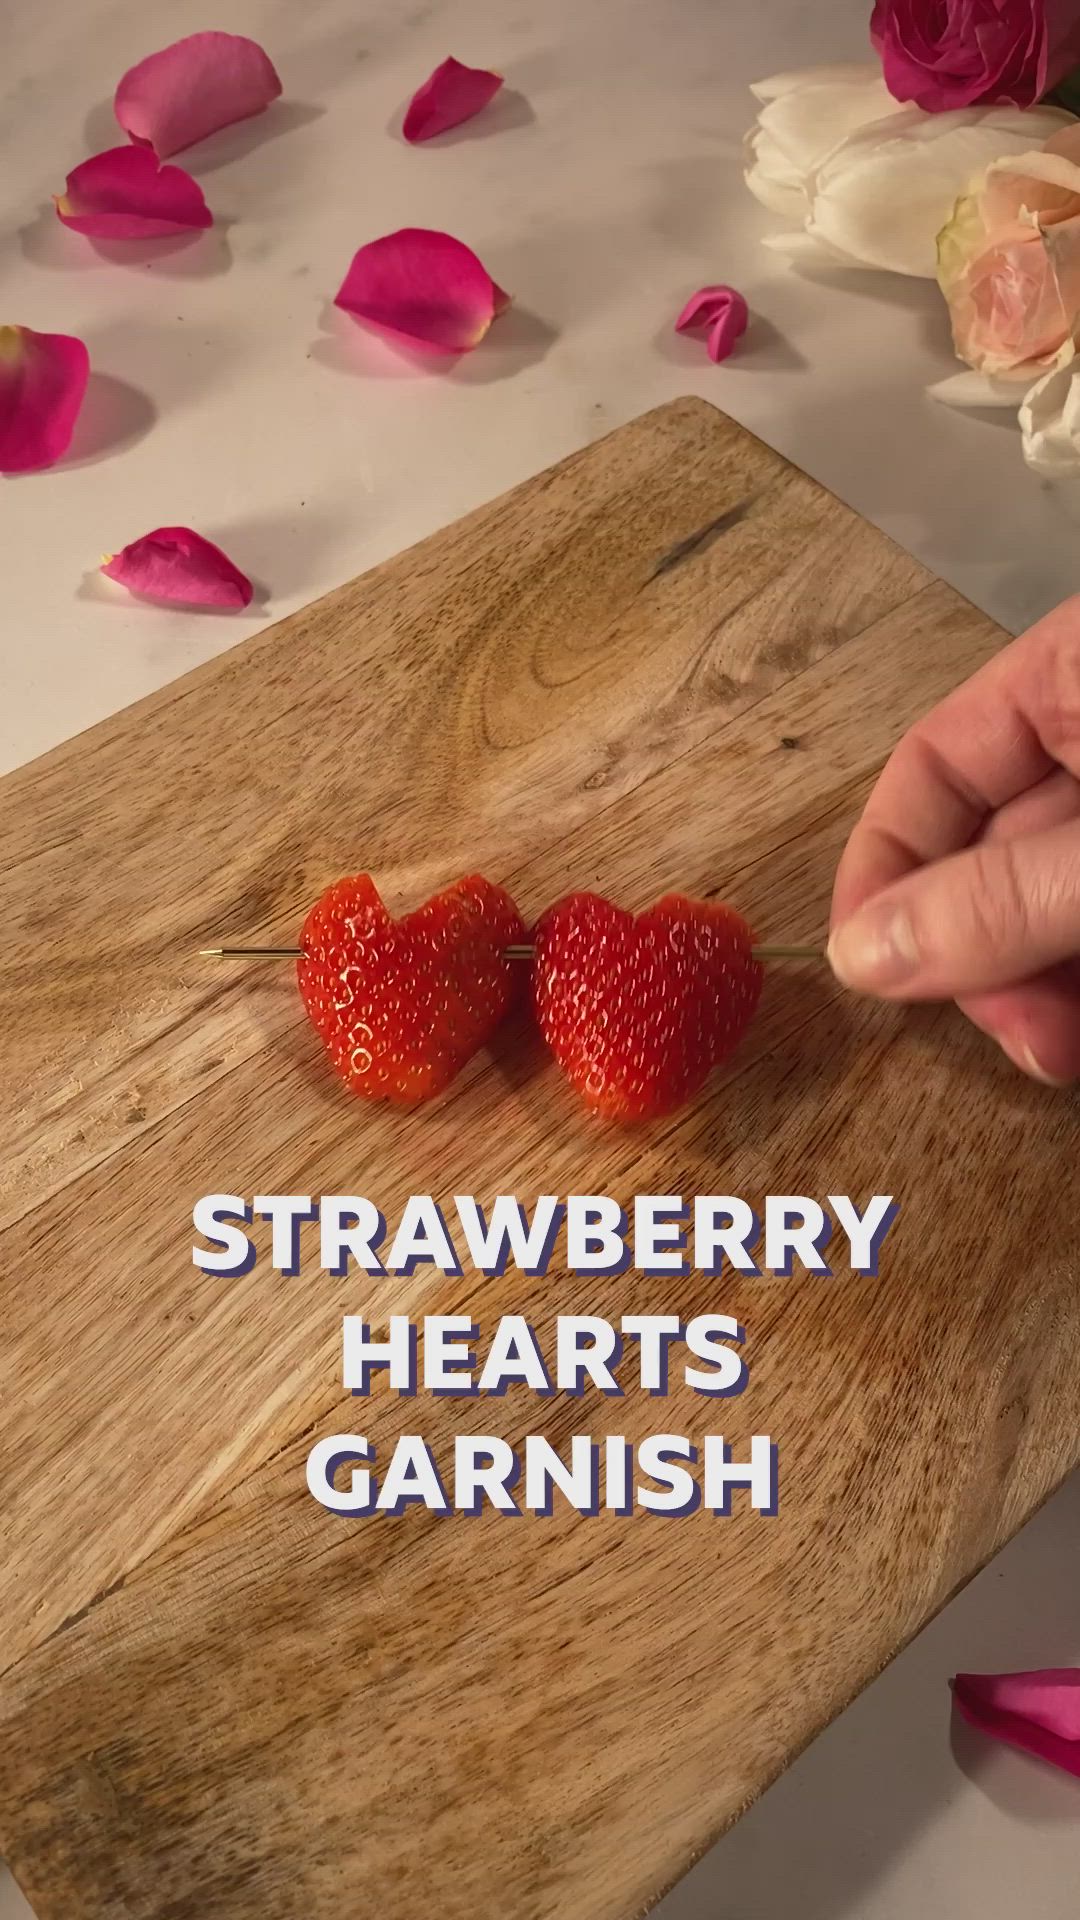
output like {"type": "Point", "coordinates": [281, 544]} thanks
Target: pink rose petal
{"type": "Point", "coordinates": [426, 287]}
{"type": "Point", "coordinates": [723, 311]}
{"type": "Point", "coordinates": [42, 382]}
{"type": "Point", "coordinates": [173, 563]}
{"type": "Point", "coordinates": [1038, 1712]}
{"type": "Point", "coordinates": [193, 88]}
{"type": "Point", "coordinates": [126, 194]}
{"type": "Point", "coordinates": [453, 93]}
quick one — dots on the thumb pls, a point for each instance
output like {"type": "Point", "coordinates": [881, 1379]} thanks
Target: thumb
{"type": "Point", "coordinates": [985, 918]}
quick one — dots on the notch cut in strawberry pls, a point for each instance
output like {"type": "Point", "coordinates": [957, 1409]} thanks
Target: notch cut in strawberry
{"type": "Point", "coordinates": [401, 1005]}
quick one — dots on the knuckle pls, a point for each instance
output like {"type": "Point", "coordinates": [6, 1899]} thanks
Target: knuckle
{"type": "Point", "coordinates": [1056, 692]}
{"type": "Point", "coordinates": [997, 906]}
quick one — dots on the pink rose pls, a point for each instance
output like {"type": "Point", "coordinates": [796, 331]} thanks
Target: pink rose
{"type": "Point", "coordinates": [1009, 264]}
{"type": "Point", "coordinates": [959, 53]}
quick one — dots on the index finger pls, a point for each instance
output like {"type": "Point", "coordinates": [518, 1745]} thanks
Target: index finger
{"type": "Point", "coordinates": [986, 743]}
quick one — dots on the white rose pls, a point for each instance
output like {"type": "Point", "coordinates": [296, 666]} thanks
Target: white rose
{"type": "Point", "coordinates": [872, 182]}
{"type": "Point", "coordinates": [1050, 422]}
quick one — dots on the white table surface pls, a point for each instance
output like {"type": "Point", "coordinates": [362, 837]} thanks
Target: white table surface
{"type": "Point", "coordinates": [227, 394]}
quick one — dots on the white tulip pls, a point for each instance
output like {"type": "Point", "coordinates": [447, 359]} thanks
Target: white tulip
{"type": "Point", "coordinates": [871, 182]}
{"type": "Point", "coordinates": [804, 116]}
{"type": "Point", "coordinates": [1050, 422]}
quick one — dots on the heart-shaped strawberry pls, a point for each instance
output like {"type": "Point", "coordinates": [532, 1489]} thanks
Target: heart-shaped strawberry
{"type": "Point", "coordinates": [400, 1005]}
{"type": "Point", "coordinates": [638, 1010]}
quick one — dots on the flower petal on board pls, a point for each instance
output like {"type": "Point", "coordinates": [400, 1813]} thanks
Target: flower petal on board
{"type": "Point", "coordinates": [1038, 1712]}
{"type": "Point", "coordinates": [452, 94]}
{"type": "Point", "coordinates": [425, 287]}
{"type": "Point", "coordinates": [175, 563]}
{"type": "Point", "coordinates": [723, 311]}
{"type": "Point", "coordinates": [126, 194]}
{"type": "Point", "coordinates": [43, 379]}
{"type": "Point", "coordinates": [192, 89]}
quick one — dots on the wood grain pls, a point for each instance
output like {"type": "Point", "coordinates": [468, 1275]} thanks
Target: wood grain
{"type": "Point", "coordinates": [215, 1698]}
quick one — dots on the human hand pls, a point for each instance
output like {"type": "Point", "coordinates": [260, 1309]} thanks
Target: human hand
{"type": "Point", "coordinates": [962, 879]}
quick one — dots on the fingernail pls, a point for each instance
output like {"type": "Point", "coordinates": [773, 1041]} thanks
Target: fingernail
{"type": "Point", "coordinates": [875, 948]}
{"type": "Point", "coordinates": [1023, 1058]}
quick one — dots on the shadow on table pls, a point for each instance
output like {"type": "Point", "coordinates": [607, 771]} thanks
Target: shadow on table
{"type": "Point", "coordinates": [1029, 1790]}
{"type": "Point", "coordinates": [763, 348]}
{"type": "Point", "coordinates": [863, 428]}
{"type": "Point", "coordinates": [288, 550]}
{"type": "Point", "coordinates": [831, 1828]}
{"type": "Point", "coordinates": [114, 415]}
{"type": "Point", "coordinates": [183, 256]}
{"type": "Point", "coordinates": [517, 339]}
{"type": "Point", "coordinates": [101, 132]}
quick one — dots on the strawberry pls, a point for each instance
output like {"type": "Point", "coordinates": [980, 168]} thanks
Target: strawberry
{"type": "Point", "coordinates": [401, 1005]}
{"type": "Point", "coordinates": [638, 1011]}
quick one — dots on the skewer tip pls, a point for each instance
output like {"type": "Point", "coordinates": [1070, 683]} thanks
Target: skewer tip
{"type": "Point", "coordinates": [251, 953]}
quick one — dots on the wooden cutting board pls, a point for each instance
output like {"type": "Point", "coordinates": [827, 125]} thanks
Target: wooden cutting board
{"type": "Point", "coordinates": [673, 661]}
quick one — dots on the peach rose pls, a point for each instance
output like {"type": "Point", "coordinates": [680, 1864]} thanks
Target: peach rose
{"type": "Point", "coordinates": [1009, 264]}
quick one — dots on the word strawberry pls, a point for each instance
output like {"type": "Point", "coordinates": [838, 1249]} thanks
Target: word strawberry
{"type": "Point", "coordinates": [639, 1010]}
{"type": "Point", "coordinates": [401, 1005]}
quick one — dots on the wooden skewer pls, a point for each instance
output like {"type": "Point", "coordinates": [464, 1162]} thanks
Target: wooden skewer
{"type": "Point", "coordinates": [788, 953]}
{"type": "Point", "coordinates": [512, 953]}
